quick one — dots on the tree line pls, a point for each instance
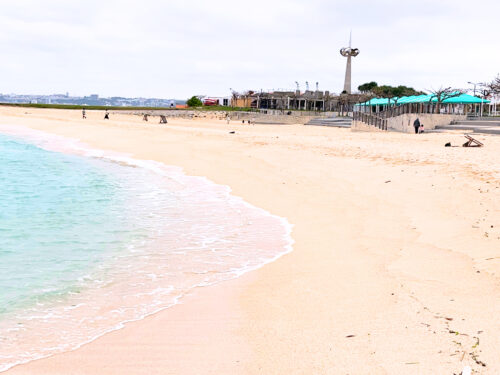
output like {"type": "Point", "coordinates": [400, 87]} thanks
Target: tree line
{"type": "Point", "coordinates": [387, 91]}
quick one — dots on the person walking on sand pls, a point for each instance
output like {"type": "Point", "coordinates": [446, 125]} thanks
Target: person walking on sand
{"type": "Point", "coordinates": [84, 115]}
{"type": "Point", "coordinates": [106, 115]}
{"type": "Point", "coordinates": [416, 125]}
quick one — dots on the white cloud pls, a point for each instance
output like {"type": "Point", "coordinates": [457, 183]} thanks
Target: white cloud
{"type": "Point", "coordinates": [175, 49]}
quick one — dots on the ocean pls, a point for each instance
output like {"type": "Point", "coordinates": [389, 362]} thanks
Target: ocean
{"type": "Point", "coordinates": [91, 240]}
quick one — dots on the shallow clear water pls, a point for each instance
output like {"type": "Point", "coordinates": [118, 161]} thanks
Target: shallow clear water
{"type": "Point", "coordinates": [90, 240]}
{"type": "Point", "coordinates": [60, 217]}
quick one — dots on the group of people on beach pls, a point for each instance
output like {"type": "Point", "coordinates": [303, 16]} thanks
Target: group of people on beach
{"type": "Point", "coordinates": [419, 128]}
{"type": "Point", "coordinates": [250, 122]}
{"type": "Point", "coordinates": [106, 114]}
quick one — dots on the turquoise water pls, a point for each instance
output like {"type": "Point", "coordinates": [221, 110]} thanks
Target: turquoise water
{"type": "Point", "coordinates": [60, 216]}
{"type": "Point", "coordinates": [91, 240]}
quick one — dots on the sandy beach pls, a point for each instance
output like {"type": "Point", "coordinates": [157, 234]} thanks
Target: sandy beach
{"type": "Point", "coordinates": [395, 267]}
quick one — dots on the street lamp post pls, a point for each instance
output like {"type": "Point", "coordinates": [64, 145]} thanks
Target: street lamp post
{"type": "Point", "coordinates": [478, 84]}
{"type": "Point", "coordinates": [475, 84]}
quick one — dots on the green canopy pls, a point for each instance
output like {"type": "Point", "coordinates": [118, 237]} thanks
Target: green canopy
{"type": "Point", "coordinates": [431, 98]}
{"type": "Point", "coordinates": [379, 101]}
{"type": "Point", "coordinates": [464, 99]}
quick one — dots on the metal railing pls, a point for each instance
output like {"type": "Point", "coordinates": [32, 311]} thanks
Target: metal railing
{"type": "Point", "coordinates": [370, 119]}
{"type": "Point", "coordinates": [401, 109]}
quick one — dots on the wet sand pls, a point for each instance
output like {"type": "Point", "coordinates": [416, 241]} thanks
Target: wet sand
{"type": "Point", "coordinates": [395, 268]}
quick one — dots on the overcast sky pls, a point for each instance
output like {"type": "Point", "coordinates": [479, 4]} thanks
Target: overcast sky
{"type": "Point", "coordinates": [163, 48]}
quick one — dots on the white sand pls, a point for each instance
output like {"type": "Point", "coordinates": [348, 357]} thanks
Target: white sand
{"type": "Point", "coordinates": [397, 244]}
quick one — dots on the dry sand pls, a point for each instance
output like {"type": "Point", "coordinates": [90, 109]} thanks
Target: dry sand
{"type": "Point", "coordinates": [395, 268]}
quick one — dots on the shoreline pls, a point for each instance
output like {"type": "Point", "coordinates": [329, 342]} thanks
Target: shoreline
{"type": "Point", "coordinates": [72, 146]}
{"type": "Point", "coordinates": [371, 267]}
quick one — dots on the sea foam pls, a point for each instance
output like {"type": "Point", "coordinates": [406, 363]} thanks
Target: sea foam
{"type": "Point", "coordinates": [159, 233]}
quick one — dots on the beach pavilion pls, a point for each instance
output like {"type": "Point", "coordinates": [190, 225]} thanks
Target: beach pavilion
{"type": "Point", "coordinates": [460, 104]}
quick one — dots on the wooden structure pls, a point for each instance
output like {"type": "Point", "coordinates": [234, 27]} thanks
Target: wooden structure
{"type": "Point", "coordinates": [472, 142]}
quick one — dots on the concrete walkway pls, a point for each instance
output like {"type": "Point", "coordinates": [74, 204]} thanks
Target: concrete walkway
{"type": "Point", "coordinates": [339, 122]}
{"type": "Point", "coordinates": [485, 125]}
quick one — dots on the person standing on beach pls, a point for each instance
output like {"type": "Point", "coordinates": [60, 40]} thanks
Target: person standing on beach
{"type": "Point", "coordinates": [84, 115]}
{"type": "Point", "coordinates": [106, 115]}
{"type": "Point", "coordinates": [416, 125]}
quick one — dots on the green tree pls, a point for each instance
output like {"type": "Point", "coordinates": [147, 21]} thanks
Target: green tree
{"type": "Point", "coordinates": [194, 102]}
{"type": "Point", "coordinates": [387, 91]}
{"type": "Point", "coordinates": [408, 91]}
{"type": "Point", "coordinates": [367, 87]}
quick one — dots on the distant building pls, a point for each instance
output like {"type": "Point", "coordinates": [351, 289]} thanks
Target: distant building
{"type": "Point", "coordinates": [219, 100]}
{"type": "Point", "coordinates": [93, 99]}
{"type": "Point", "coordinates": [295, 100]}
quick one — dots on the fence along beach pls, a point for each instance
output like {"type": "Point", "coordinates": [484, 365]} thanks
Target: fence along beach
{"type": "Point", "coordinates": [395, 263]}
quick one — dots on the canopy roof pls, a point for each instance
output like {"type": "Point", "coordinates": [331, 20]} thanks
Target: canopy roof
{"type": "Point", "coordinates": [460, 99]}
